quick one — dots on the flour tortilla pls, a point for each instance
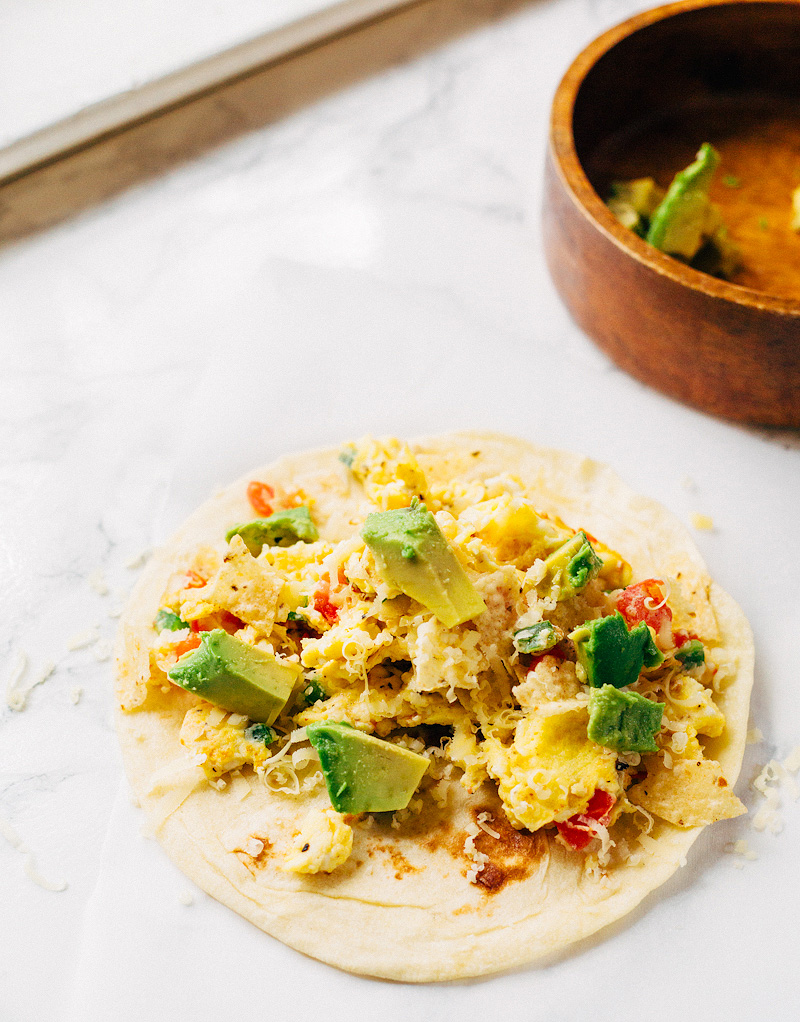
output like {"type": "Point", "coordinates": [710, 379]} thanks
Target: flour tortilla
{"type": "Point", "coordinates": [402, 907]}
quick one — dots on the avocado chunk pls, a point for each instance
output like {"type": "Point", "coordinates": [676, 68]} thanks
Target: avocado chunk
{"type": "Point", "coordinates": [624, 721]}
{"type": "Point", "coordinates": [679, 223]}
{"type": "Point", "coordinates": [537, 638]}
{"type": "Point", "coordinates": [364, 774]}
{"type": "Point", "coordinates": [691, 653]}
{"type": "Point", "coordinates": [634, 202]}
{"type": "Point", "coordinates": [236, 677]}
{"type": "Point", "coordinates": [284, 528]}
{"type": "Point", "coordinates": [167, 620]}
{"type": "Point", "coordinates": [572, 566]}
{"type": "Point", "coordinates": [651, 654]}
{"type": "Point", "coordinates": [608, 653]}
{"type": "Point", "coordinates": [412, 554]}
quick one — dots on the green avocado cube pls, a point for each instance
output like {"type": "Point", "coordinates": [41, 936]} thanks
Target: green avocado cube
{"type": "Point", "coordinates": [691, 653]}
{"type": "Point", "coordinates": [412, 555]}
{"type": "Point", "coordinates": [537, 638]}
{"type": "Point", "coordinates": [167, 620]}
{"type": "Point", "coordinates": [651, 654]}
{"type": "Point", "coordinates": [608, 653]}
{"type": "Point", "coordinates": [284, 528]}
{"type": "Point", "coordinates": [624, 721]}
{"type": "Point", "coordinates": [678, 225]}
{"type": "Point", "coordinates": [571, 567]}
{"type": "Point", "coordinates": [364, 774]}
{"type": "Point", "coordinates": [237, 677]}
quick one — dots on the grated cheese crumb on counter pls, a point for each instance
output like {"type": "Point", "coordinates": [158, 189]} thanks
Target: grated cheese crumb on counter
{"type": "Point", "coordinates": [741, 847]}
{"type": "Point", "coordinates": [17, 694]}
{"type": "Point", "coordinates": [102, 651]}
{"type": "Point", "coordinates": [703, 523]}
{"type": "Point", "coordinates": [186, 898]}
{"type": "Point", "coordinates": [754, 736]}
{"type": "Point", "coordinates": [120, 599]}
{"type": "Point", "coordinates": [774, 776]}
{"type": "Point", "coordinates": [31, 871]}
{"type": "Point", "coordinates": [81, 640]}
{"type": "Point", "coordinates": [75, 694]}
{"type": "Point", "coordinates": [688, 484]}
{"type": "Point", "coordinates": [97, 581]}
{"type": "Point", "coordinates": [138, 560]}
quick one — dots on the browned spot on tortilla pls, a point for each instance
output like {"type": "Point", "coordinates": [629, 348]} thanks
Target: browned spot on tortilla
{"type": "Point", "coordinates": [491, 877]}
{"type": "Point", "coordinates": [255, 862]}
{"type": "Point", "coordinates": [513, 856]}
{"type": "Point", "coordinates": [441, 837]}
{"type": "Point", "coordinates": [402, 867]}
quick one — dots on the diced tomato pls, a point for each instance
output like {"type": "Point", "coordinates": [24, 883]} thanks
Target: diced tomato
{"type": "Point", "coordinates": [322, 602]}
{"type": "Point", "coordinates": [576, 830]}
{"type": "Point", "coordinates": [219, 619]}
{"type": "Point", "coordinates": [537, 659]}
{"type": "Point", "coordinates": [681, 638]}
{"type": "Point", "coordinates": [644, 601]}
{"type": "Point", "coordinates": [186, 644]}
{"type": "Point", "coordinates": [260, 495]}
{"type": "Point", "coordinates": [194, 581]}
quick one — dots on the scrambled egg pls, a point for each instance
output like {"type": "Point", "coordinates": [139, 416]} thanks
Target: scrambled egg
{"type": "Point", "coordinates": [219, 739]}
{"type": "Point", "coordinates": [386, 664]}
{"type": "Point", "coordinates": [551, 769]}
{"type": "Point", "coordinates": [324, 842]}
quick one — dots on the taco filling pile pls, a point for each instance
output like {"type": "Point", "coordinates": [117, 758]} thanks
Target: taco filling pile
{"type": "Point", "coordinates": [450, 634]}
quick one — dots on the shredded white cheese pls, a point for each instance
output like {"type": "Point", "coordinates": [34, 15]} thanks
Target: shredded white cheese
{"type": "Point", "coordinates": [16, 693]}
{"type": "Point", "coordinates": [476, 857]}
{"type": "Point", "coordinates": [97, 581]}
{"type": "Point", "coordinates": [754, 736]}
{"type": "Point", "coordinates": [102, 651]}
{"type": "Point", "coordinates": [31, 871]}
{"type": "Point", "coordinates": [138, 561]}
{"type": "Point", "coordinates": [75, 694]}
{"type": "Point", "coordinates": [120, 599]}
{"type": "Point", "coordinates": [186, 898]}
{"type": "Point", "coordinates": [742, 848]}
{"type": "Point", "coordinates": [483, 823]}
{"type": "Point", "coordinates": [767, 817]}
{"type": "Point", "coordinates": [81, 640]}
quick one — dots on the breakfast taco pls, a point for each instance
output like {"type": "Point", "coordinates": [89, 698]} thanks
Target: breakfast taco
{"type": "Point", "coordinates": [431, 710]}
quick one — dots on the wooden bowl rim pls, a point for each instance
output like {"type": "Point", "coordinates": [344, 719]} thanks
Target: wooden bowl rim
{"type": "Point", "coordinates": [574, 178]}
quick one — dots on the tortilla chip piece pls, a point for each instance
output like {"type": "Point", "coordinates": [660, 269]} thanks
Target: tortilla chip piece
{"type": "Point", "coordinates": [133, 668]}
{"type": "Point", "coordinates": [692, 794]}
{"type": "Point", "coordinates": [244, 586]}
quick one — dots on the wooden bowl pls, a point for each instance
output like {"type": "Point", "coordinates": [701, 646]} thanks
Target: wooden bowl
{"type": "Point", "coordinates": [639, 101]}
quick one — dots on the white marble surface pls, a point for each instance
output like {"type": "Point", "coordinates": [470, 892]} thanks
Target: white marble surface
{"type": "Point", "coordinates": [374, 264]}
{"type": "Point", "coordinates": [61, 56]}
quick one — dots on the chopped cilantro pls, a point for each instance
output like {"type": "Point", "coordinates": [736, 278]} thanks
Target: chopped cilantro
{"type": "Point", "coordinates": [261, 733]}
{"type": "Point", "coordinates": [169, 621]}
